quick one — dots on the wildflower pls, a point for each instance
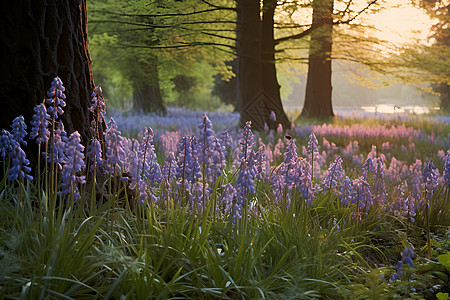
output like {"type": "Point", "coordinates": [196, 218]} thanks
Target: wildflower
{"type": "Point", "coordinates": [39, 123]}
{"type": "Point", "coordinates": [226, 141]}
{"type": "Point", "coordinates": [304, 180]}
{"type": "Point", "coordinates": [169, 169]}
{"type": "Point", "coordinates": [18, 130]}
{"type": "Point", "coordinates": [217, 160]}
{"type": "Point", "coordinates": [74, 163]}
{"type": "Point", "coordinates": [345, 191]}
{"type": "Point", "coordinates": [312, 151]}
{"type": "Point", "coordinates": [245, 182]}
{"type": "Point", "coordinates": [115, 154]}
{"type": "Point", "coordinates": [407, 256]}
{"type": "Point", "coordinates": [55, 100]}
{"type": "Point", "coordinates": [229, 200]}
{"type": "Point", "coordinates": [97, 109]}
{"type": "Point", "coordinates": [261, 163]}
{"type": "Point", "coordinates": [205, 140]}
{"type": "Point", "coordinates": [361, 194]}
{"type": "Point", "coordinates": [58, 145]}
{"type": "Point", "coordinates": [247, 141]}
{"type": "Point", "coordinates": [447, 168]}
{"type": "Point", "coordinates": [379, 188]}
{"type": "Point", "coordinates": [273, 116]}
{"type": "Point", "coordinates": [429, 176]}
{"type": "Point", "coordinates": [20, 168]}
{"type": "Point", "coordinates": [6, 143]}
{"type": "Point", "coordinates": [367, 166]}
{"type": "Point", "coordinates": [94, 153]}
{"type": "Point", "coordinates": [335, 174]}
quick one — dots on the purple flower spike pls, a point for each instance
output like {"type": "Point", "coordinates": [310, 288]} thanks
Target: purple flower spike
{"type": "Point", "coordinates": [368, 166]}
{"type": "Point", "coordinates": [205, 140]}
{"type": "Point", "coordinates": [361, 194]}
{"type": "Point", "coordinates": [58, 145]}
{"type": "Point", "coordinates": [74, 163]}
{"type": "Point", "coordinates": [18, 130]}
{"type": "Point", "coordinates": [97, 109]}
{"type": "Point", "coordinates": [55, 100]}
{"type": "Point", "coordinates": [430, 176]}
{"type": "Point", "coordinates": [20, 168]}
{"type": "Point", "coordinates": [169, 169]}
{"type": "Point", "coordinates": [6, 143]}
{"type": "Point", "coordinates": [247, 141]}
{"type": "Point", "coordinates": [447, 168]}
{"type": "Point", "coordinates": [335, 174]}
{"type": "Point", "coordinates": [94, 153]}
{"type": "Point", "coordinates": [245, 182]}
{"type": "Point", "coordinates": [379, 188]}
{"type": "Point", "coordinates": [273, 116]}
{"type": "Point", "coordinates": [345, 191]}
{"type": "Point", "coordinates": [115, 154]}
{"type": "Point", "coordinates": [41, 119]}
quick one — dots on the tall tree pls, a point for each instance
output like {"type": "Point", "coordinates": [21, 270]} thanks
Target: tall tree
{"type": "Point", "coordinates": [42, 39]}
{"type": "Point", "coordinates": [318, 97]}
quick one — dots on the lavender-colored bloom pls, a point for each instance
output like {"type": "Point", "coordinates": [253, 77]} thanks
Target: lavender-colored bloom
{"type": "Point", "coordinates": [169, 169]}
{"type": "Point", "coordinates": [230, 202]}
{"type": "Point", "coordinates": [273, 116]}
{"type": "Point", "coordinates": [18, 130]}
{"type": "Point", "coordinates": [115, 154]}
{"type": "Point", "coordinates": [334, 175]}
{"type": "Point", "coordinates": [247, 141]}
{"type": "Point", "coordinates": [379, 188]}
{"type": "Point", "coordinates": [39, 123]}
{"type": "Point", "coordinates": [217, 160]}
{"type": "Point", "coordinates": [367, 166]}
{"type": "Point", "coordinates": [94, 153]}
{"type": "Point", "coordinates": [205, 140]}
{"type": "Point", "coordinates": [262, 166]}
{"type": "Point", "coordinates": [304, 180]}
{"type": "Point", "coordinates": [55, 100]}
{"type": "Point", "coordinates": [345, 191]}
{"type": "Point", "coordinates": [313, 145]}
{"type": "Point", "coordinates": [226, 141]}
{"type": "Point", "coordinates": [245, 183]}
{"type": "Point", "coordinates": [447, 168]}
{"type": "Point", "coordinates": [74, 163]}
{"type": "Point", "coordinates": [197, 194]}
{"type": "Point", "coordinates": [58, 146]}
{"type": "Point", "coordinates": [97, 109]}
{"type": "Point", "coordinates": [6, 143]}
{"type": "Point", "coordinates": [430, 176]}
{"type": "Point", "coordinates": [361, 194]}
{"type": "Point", "coordinates": [407, 256]}
{"type": "Point", "coordinates": [20, 168]}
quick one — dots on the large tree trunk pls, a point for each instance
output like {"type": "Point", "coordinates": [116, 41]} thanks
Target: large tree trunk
{"type": "Point", "coordinates": [269, 71]}
{"type": "Point", "coordinates": [146, 92]}
{"type": "Point", "coordinates": [318, 85]}
{"type": "Point", "coordinates": [249, 75]}
{"type": "Point", "coordinates": [42, 39]}
{"type": "Point", "coordinates": [258, 91]}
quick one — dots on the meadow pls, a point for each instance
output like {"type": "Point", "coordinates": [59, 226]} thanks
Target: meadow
{"type": "Point", "coordinates": [194, 206]}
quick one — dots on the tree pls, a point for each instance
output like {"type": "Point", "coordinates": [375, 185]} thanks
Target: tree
{"type": "Point", "coordinates": [41, 40]}
{"type": "Point", "coordinates": [318, 95]}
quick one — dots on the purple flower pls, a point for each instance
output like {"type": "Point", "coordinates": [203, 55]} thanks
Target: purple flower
{"type": "Point", "coordinates": [97, 109]}
{"type": "Point", "coordinates": [447, 168]}
{"type": "Point", "coordinates": [262, 166]}
{"type": "Point", "coordinates": [217, 160]}
{"type": "Point", "coordinates": [18, 130]}
{"type": "Point", "coordinates": [73, 164]}
{"type": "Point", "coordinates": [169, 169]}
{"type": "Point", "coordinates": [361, 194]}
{"type": "Point", "coordinates": [39, 129]}
{"type": "Point", "coordinates": [273, 116]}
{"type": "Point", "coordinates": [230, 202]}
{"type": "Point", "coordinates": [334, 175]}
{"type": "Point", "coordinates": [55, 100]}
{"type": "Point", "coordinates": [345, 191]}
{"type": "Point", "coordinates": [245, 182]}
{"type": "Point", "coordinates": [115, 154]}
{"type": "Point", "coordinates": [58, 145]}
{"type": "Point", "coordinates": [304, 180]}
{"type": "Point", "coordinates": [205, 140]}
{"type": "Point", "coordinates": [94, 153]}
{"type": "Point", "coordinates": [6, 143]}
{"type": "Point", "coordinates": [367, 166]}
{"type": "Point", "coordinates": [379, 188]}
{"type": "Point", "coordinates": [247, 141]}
{"type": "Point", "coordinates": [20, 168]}
{"type": "Point", "coordinates": [407, 256]}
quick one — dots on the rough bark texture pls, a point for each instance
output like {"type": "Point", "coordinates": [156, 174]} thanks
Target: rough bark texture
{"type": "Point", "coordinates": [270, 81]}
{"type": "Point", "coordinates": [257, 85]}
{"type": "Point", "coordinates": [318, 97]}
{"type": "Point", "coordinates": [42, 39]}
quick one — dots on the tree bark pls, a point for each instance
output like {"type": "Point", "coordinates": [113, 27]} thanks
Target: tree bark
{"type": "Point", "coordinates": [258, 91]}
{"type": "Point", "coordinates": [269, 71]}
{"type": "Point", "coordinates": [146, 93]}
{"type": "Point", "coordinates": [318, 97]}
{"type": "Point", "coordinates": [42, 39]}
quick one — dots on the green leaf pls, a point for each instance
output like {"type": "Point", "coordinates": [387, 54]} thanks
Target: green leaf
{"type": "Point", "coordinates": [444, 259]}
{"type": "Point", "coordinates": [442, 296]}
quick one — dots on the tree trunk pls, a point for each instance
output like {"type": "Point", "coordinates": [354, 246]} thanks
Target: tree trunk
{"type": "Point", "coordinates": [42, 39]}
{"type": "Point", "coordinates": [318, 97]}
{"type": "Point", "coordinates": [146, 93]}
{"type": "Point", "coordinates": [269, 71]}
{"type": "Point", "coordinates": [258, 91]}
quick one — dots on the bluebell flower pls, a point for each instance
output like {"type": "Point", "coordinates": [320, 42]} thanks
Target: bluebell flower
{"type": "Point", "coordinates": [262, 166]}
{"type": "Point", "coordinates": [245, 182]}
{"type": "Point", "coordinates": [98, 110]}
{"type": "Point", "coordinates": [304, 180]}
{"type": "Point", "coordinates": [73, 164]}
{"type": "Point", "coordinates": [217, 161]}
{"type": "Point", "coordinates": [367, 166]}
{"type": "Point", "coordinates": [226, 141]}
{"type": "Point", "coordinates": [247, 141]}
{"type": "Point", "coordinates": [345, 191]}
{"type": "Point", "coordinates": [430, 177]}
{"type": "Point", "coordinates": [334, 175]}
{"type": "Point", "coordinates": [407, 256]}
{"type": "Point", "coordinates": [94, 153]}
{"type": "Point", "coordinates": [169, 169]}
{"type": "Point", "coordinates": [58, 146]}
{"type": "Point", "coordinates": [18, 130]}
{"type": "Point", "coordinates": [39, 123]}
{"type": "Point", "coordinates": [205, 141]}
{"type": "Point", "coordinates": [447, 168]}
{"type": "Point", "coordinates": [6, 143]}
{"type": "Point", "coordinates": [230, 202]}
{"type": "Point", "coordinates": [55, 98]}
{"type": "Point", "coordinates": [361, 194]}
{"type": "Point", "coordinates": [379, 188]}
{"type": "Point", "coordinates": [115, 154]}
{"type": "Point", "coordinates": [20, 168]}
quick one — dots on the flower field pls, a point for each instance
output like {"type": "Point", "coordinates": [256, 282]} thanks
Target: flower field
{"type": "Point", "coordinates": [191, 205]}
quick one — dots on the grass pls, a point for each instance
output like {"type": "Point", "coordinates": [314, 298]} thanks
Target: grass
{"type": "Point", "coordinates": [105, 248]}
